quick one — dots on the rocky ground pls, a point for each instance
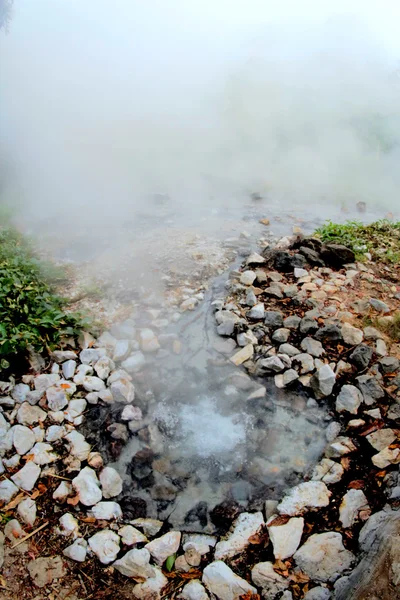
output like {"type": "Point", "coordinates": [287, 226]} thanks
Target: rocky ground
{"type": "Point", "coordinates": [301, 314]}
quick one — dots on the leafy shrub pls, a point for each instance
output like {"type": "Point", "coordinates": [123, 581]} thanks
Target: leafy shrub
{"type": "Point", "coordinates": [31, 314]}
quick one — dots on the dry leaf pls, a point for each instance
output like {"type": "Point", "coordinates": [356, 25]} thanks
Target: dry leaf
{"type": "Point", "coordinates": [14, 502]}
{"type": "Point", "coordinates": [73, 501]}
{"type": "Point", "coordinates": [281, 520]}
{"type": "Point", "coordinates": [88, 519]}
{"type": "Point", "coordinates": [357, 484]}
{"type": "Point", "coordinates": [250, 596]}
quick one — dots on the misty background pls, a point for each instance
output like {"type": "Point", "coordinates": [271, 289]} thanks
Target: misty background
{"type": "Point", "coordinates": [105, 102]}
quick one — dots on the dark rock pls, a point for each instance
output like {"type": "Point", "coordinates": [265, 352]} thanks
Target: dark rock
{"type": "Point", "coordinates": [197, 514]}
{"type": "Point", "coordinates": [309, 242]}
{"type": "Point", "coordinates": [133, 508]}
{"type": "Point", "coordinates": [337, 255]}
{"type": "Point", "coordinates": [389, 364]}
{"type": "Point", "coordinates": [225, 513]}
{"type": "Point", "coordinates": [370, 389]}
{"type": "Point", "coordinates": [331, 333]}
{"type": "Point", "coordinates": [273, 318]}
{"type": "Point", "coordinates": [312, 256]}
{"type": "Point", "coordinates": [379, 305]}
{"type": "Point", "coordinates": [286, 262]}
{"type": "Point", "coordinates": [361, 356]}
{"type": "Point", "coordinates": [308, 325]}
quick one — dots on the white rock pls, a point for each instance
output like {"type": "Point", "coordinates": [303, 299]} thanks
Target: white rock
{"type": "Point", "coordinates": [76, 551]}
{"type": "Point", "coordinates": [300, 272]}
{"type": "Point", "coordinates": [285, 538]}
{"type": "Point", "coordinates": [323, 557]}
{"type": "Point", "coordinates": [257, 312]}
{"type": "Point", "coordinates": [246, 525]}
{"type": "Point", "coordinates": [43, 453]}
{"type": "Point", "coordinates": [247, 277]}
{"type": "Point", "coordinates": [78, 446]}
{"type": "Point", "coordinates": [107, 511]}
{"type": "Point", "coordinates": [12, 462]}
{"type": "Point", "coordinates": [88, 487]}
{"type": "Point", "coordinates": [20, 391]}
{"type": "Point", "coordinates": [56, 416]}
{"type": "Point", "coordinates": [63, 491]}
{"type": "Point", "coordinates": [151, 588]}
{"type": "Point", "coordinates": [135, 563]}
{"type": "Point", "coordinates": [39, 433]}
{"type": "Point", "coordinates": [123, 391]}
{"type": "Point", "coordinates": [150, 526]}
{"type": "Point", "coordinates": [242, 355]}
{"type": "Point", "coordinates": [323, 381]}
{"type": "Point", "coordinates": [271, 583]}
{"type": "Point", "coordinates": [121, 350]}
{"type": "Point", "coordinates": [103, 367]}
{"type": "Point", "coordinates": [92, 355]}
{"type": "Point", "coordinates": [164, 546]}
{"type": "Point", "coordinates": [93, 384]}
{"type": "Point", "coordinates": [255, 258]}
{"type": "Point", "coordinates": [194, 590]}
{"type": "Point", "coordinates": [62, 355]}
{"type": "Point", "coordinates": [381, 348]}
{"type": "Point", "coordinates": [23, 439]}
{"type": "Point", "coordinates": [313, 347]}
{"type": "Point", "coordinates": [68, 369]}
{"type": "Point", "coordinates": [353, 502]}
{"type": "Point", "coordinates": [7, 490]}
{"type": "Point", "coordinates": [92, 397]}
{"type": "Point", "coordinates": [382, 438]}
{"type": "Point", "coordinates": [111, 482]}
{"type": "Point", "coordinates": [306, 361]}
{"type": "Point", "coordinates": [349, 399]}
{"type": "Point", "coordinates": [44, 381]}
{"type": "Point", "coordinates": [105, 545]}
{"type": "Point", "coordinates": [27, 511]}
{"type": "Point", "coordinates": [386, 457]}
{"type": "Point", "coordinates": [221, 581]}
{"type": "Point", "coordinates": [131, 413]}
{"type": "Point", "coordinates": [130, 535]}
{"type": "Point", "coordinates": [95, 460]}
{"type": "Point", "coordinates": [26, 477]}
{"type": "Point", "coordinates": [75, 409]}
{"type": "Point", "coordinates": [311, 494]}
{"type": "Point", "coordinates": [29, 415]}
{"type": "Point", "coordinates": [56, 398]}
{"type": "Point", "coordinates": [328, 471]}
{"type": "Point", "coordinates": [351, 335]}
{"type": "Point", "coordinates": [69, 526]}
{"type": "Point", "coordinates": [55, 433]}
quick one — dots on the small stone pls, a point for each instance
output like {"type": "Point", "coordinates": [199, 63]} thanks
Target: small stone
{"type": "Point", "coordinates": [273, 319]}
{"type": "Point", "coordinates": [43, 453]}
{"type": "Point", "coordinates": [95, 460]}
{"type": "Point", "coordinates": [247, 277]}
{"type": "Point", "coordinates": [192, 557]}
{"type": "Point", "coordinates": [281, 335]}
{"type": "Point", "coordinates": [306, 361]}
{"type": "Point", "coordinates": [289, 376]}
{"type": "Point", "coordinates": [323, 381]}
{"type": "Point", "coordinates": [75, 409]}
{"type": "Point", "coordinates": [353, 502]}
{"type": "Point", "coordinates": [245, 338]}
{"type": "Point", "coordinates": [300, 272]}
{"type": "Point", "coordinates": [150, 526]}
{"type": "Point", "coordinates": [349, 399]}
{"type": "Point", "coordinates": [264, 577]}
{"type": "Point", "coordinates": [245, 526]}
{"type": "Point", "coordinates": [123, 391]}
{"type": "Point", "coordinates": [107, 511]}
{"type": "Point", "coordinates": [111, 482]}
{"type": "Point", "coordinates": [371, 333]}
{"type": "Point", "coordinates": [68, 526]}
{"type": "Point", "coordinates": [311, 494]}
{"type": "Point", "coordinates": [273, 363]}
{"type": "Point", "coordinates": [23, 439]}
{"type": "Point", "coordinates": [68, 369]}
{"type": "Point", "coordinates": [55, 433]}
{"type": "Point", "coordinates": [131, 413]}
{"type": "Point", "coordinates": [361, 356]}
{"type": "Point", "coordinates": [308, 325]}
{"type": "Point", "coordinates": [257, 312]}
{"type": "Point", "coordinates": [313, 347]}
{"type": "Point", "coordinates": [93, 384]}
{"type": "Point", "coordinates": [131, 536]}
{"type": "Point", "coordinates": [148, 341]}
{"type": "Point", "coordinates": [285, 537]}
{"type": "Point", "coordinates": [351, 335]}
{"type": "Point", "coordinates": [121, 350]}
{"type": "Point", "coordinates": [386, 457]}
{"type": "Point", "coordinates": [63, 491]}
{"type": "Point", "coordinates": [292, 322]}
{"type": "Point", "coordinates": [328, 471]}
{"type": "Point", "coordinates": [370, 389]}
{"type": "Point", "coordinates": [27, 511]}
{"type": "Point", "coordinates": [78, 446]}
{"type": "Point", "coordinates": [340, 447]}
{"type": "Point", "coordinates": [103, 367]}
{"type": "Point", "coordinates": [251, 299]}
{"type": "Point", "coordinates": [288, 349]}
{"type": "Point", "coordinates": [323, 557]}
{"type": "Point", "coordinates": [7, 490]}
{"type": "Point", "coordinates": [389, 364]}
{"type": "Point", "coordinates": [87, 485]}
{"type": "Point", "coordinates": [381, 439]}
{"type": "Point", "coordinates": [242, 355]}
{"type": "Point", "coordinates": [90, 356]}
{"type": "Point", "coordinates": [255, 259]}
{"type": "Point", "coordinates": [381, 348]}
{"type": "Point", "coordinates": [379, 306]}
{"type": "Point", "coordinates": [222, 582]}
{"type": "Point", "coordinates": [118, 431]}
{"type": "Point", "coordinates": [318, 593]}
{"type": "Point", "coordinates": [76, 551]}
{"type": "Point", "coordinates": [26, 477]}
{"type": "Point", "coordinates": [29, 415]}
{"type": "Point", "coordinates": [194, 590]}
{"type": "Point", "coordinates": [163, 547]}
{"type": "Point", "coordinates": [105, 545]}
{"type": "Point", "coordinates": [61, 356]}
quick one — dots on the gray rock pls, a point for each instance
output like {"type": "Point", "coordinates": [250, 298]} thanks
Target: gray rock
{"type": "Point", "coordinates": [318, 593]}
{"type": "Point", "coordinates": [194, 590]}
{"type": "Point", "coordinates": [306, 362]}
{"type": "Point", "coordinates": [247, 277]}
{"type": "Point", "coordinates": [68, 369]}
{"type": "Point", "coordinates": [281, 335]}
{"type": "Point", "coordinates": [292, 322]}
{"type": "Point", "coordinates": [313, 347]}
{"type": "Point", "coordinates": [135, 563]}
{"type": "Point", "coordinates": [322, 382]}
{"type": "Point", "coordinates": [323, 557]}
{"type": "Point", "coordinates": [270, 582]}
{"type": "Point", "coordinates": [382, 438]}
{"type": "Point", "coordinates": [349, 399]}
{"type": "Point", "coordinates": [288, 349]}
{"type": "Point", "coordinates": [134, 362]}
{"type": "Point", "coordinates": [19, 392]}
{"type": "Point", "coordinates": [370, 333]}
{"type": "Point", "coordinates": [23, 439]}
{"type": "Point", "coordinates": [329, 332]}
{"type": "Point", "coordinates": [370, 389]}
{"type": "Point", "coordinates": [251, 298]}
{"type": "Point", "coordinates": [353, 502]}
{"type": "Point", "coordinates": [308, 325]}
{"type": "Point", "coordinates": [378, 305]}
{"type": "Point", "coordinates": [273, 363]}
{"type": "Point", "coordinates": [289, 376]}
{"type": "Point", "coordinates": [118, 431]}
{"type": "Point", "coordinates": [121, 350]}
{"type": "Point", "coordinates": [222, 582]}
{"type": "Point", "coordinates": [273, 319]}
{"type": "Point", "coordinates": [389, 364]}
{"type": "Point", "coordinates": [274, 290]}
{"type": "Point", "coordinates": [381, 348]}
{"type": "Point", "coordinates": [123, 391]}
{"type": "Point", "coordinates": [361, 356]}
{"type": "Point", "coordinates": [351, 335]}
{"type": "Point", "coordinates": [91, 355]}
{"type": "Point", "coordinates": [62, 355]}
{"type": "Point", "coordinates": [257, 312]}
{"type": "Point", "coordinates": [332, 431]}
{"type": "Point", "coordinates": [310, 494]}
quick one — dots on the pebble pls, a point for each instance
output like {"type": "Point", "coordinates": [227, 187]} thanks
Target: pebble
{"type": "Point", "coordinates": [318, 593]}
{"type": "Point", "coordinates": [247, 277]}
{"type": "Point", "coordinates": [292, 322]}
{"type": "Point", "coordinates": [63, 491]}
{"type": "Point", "coordinates": [194, 590]}
{"type": "Point", "coordinates": [7, 490]}
{"type": "Point", "coordinates": [43, 453]}
{"type": "Point", "coordinates": [152, 587]}
{"type": "Point", "coordinates": [381, 439]}
{"type": "Point", "coordinates": [328, 471]}
{"type": "Point", "coordinates": [223, 583]}
{"type": "Point", "coordinates": [134, 362]}
{"type": "Point", "coordinates": [150, 526]}
{"type": "Point", "coordinates": [281, 335]}
{"type": "Point", "coordinates": [68, 369]}
{"type": "Point", "coordinates": [273, 318]}
{"type": "Point", "coordinates": [68, 526]}
{"type": "Point", "coordinates": [107, 511]}
{"type": "Point", "coordinates": [242, 355]}
{"type": "Point", "coordinates": [378, 305]}
{"type": "Point", "coordinates": [323, 381]}
{"type": "Point", "coordinates": [349, 399]}
{"type": "Point", "coordinates": [45, 570]}
{"type": "Point", "coordinates": [323, 557]}
{"type": "Point", "coordinates": [246, 525]}
{"type": "Point", "coordinates": [313, 347]}
{"type": "Point", "coordinates": [56, 398]}
{"type": "Point", "coordinates": [163, 547]}
{"type": "Point", "coordinates": [87, 485]}
{"type": "Point", "coordinates": [105, 545]}
{"type": "Point", "coordinates": [121, 350]}
{"type": "Point", "coordinates": [23, 438]}
{"type": "Point", "coordinates": [351, 335]}
{"type": "Point", "coordinates": [75, 409]}
{"type": "Point", "coordinates": [386, 457]}
{"type": "Point", "coordinates": [306, 361]}
{"type": "Point", "coordinates": [310, 494]}
{"type": "Point", "coordinates": [77, 550]}
{"type": "Point", "coordinates": [264, 577]}
{"type": "Point", "coordinates": [27, 511]}
{"type": "Point", "coordinates": [93, 384]}
{"type": "Point", "coordinates": [257, 312]}
{"type": "Point", "coordinates": [371, 333]}
{"type": "Point", "coordinates": [370, 389]}
{"type": "Point", "coordinates": [353, 502]}
{"type": "Point", "coordinates": [245, 338]}
{"type": "Point", "coordinates": [26, 477]}
{"type": "Point", "coordinates": [30, 415]}
{"type": "Point", "coordinates": [289, 350]}
{"type": "Point", "coordinates": [340, 447]}
{"type": "Point", "coordinates": [131, 536]}
{"type": "Point", "coordinates": [78, 446]}
{"type": "Point", "coordinates": [285, 537]}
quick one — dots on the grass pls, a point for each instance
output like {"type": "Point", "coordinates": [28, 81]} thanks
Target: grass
{"type": "Point", "coordinates": [32, 315]}
{"type": "Point", "coordinates": [388, 325]}
{"type": "Point", "coordinates": [381, 238]}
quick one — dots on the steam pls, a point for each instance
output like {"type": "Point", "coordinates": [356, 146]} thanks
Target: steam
{"type": "Point", "coordinates": [105, 103]}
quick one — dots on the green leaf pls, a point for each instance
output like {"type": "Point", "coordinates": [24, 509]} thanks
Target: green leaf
{"type": "Point", "coordinates": [169, 563]}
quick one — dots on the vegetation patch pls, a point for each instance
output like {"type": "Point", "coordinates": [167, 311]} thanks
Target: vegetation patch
{"type": "Point", "coordinates": [381, 239]}
{"type": "Point", "coordinates": [32, 315]}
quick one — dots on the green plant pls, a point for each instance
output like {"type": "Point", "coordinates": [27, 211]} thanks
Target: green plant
{"type": "Point", "coordinates": [31, 314]}
{"type": "Point", "coordinates": [381, 238]}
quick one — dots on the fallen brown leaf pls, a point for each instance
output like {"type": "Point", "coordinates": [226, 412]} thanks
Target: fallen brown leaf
{"type": "Point", "coordinates": [14, 502]}
{"type": "Point", "coordinates": [357, 484]}
{"type": "Point", "coordinates": [281, 520]}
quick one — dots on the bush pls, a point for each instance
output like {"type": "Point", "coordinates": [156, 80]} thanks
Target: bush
{"type": "Point", "coordinates": [31, 314]}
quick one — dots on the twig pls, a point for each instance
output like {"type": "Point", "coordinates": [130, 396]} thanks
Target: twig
{"type": "Point", "coordinates": [58, 476]}
{"type": "Point", "coordinates": [30, 535]}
